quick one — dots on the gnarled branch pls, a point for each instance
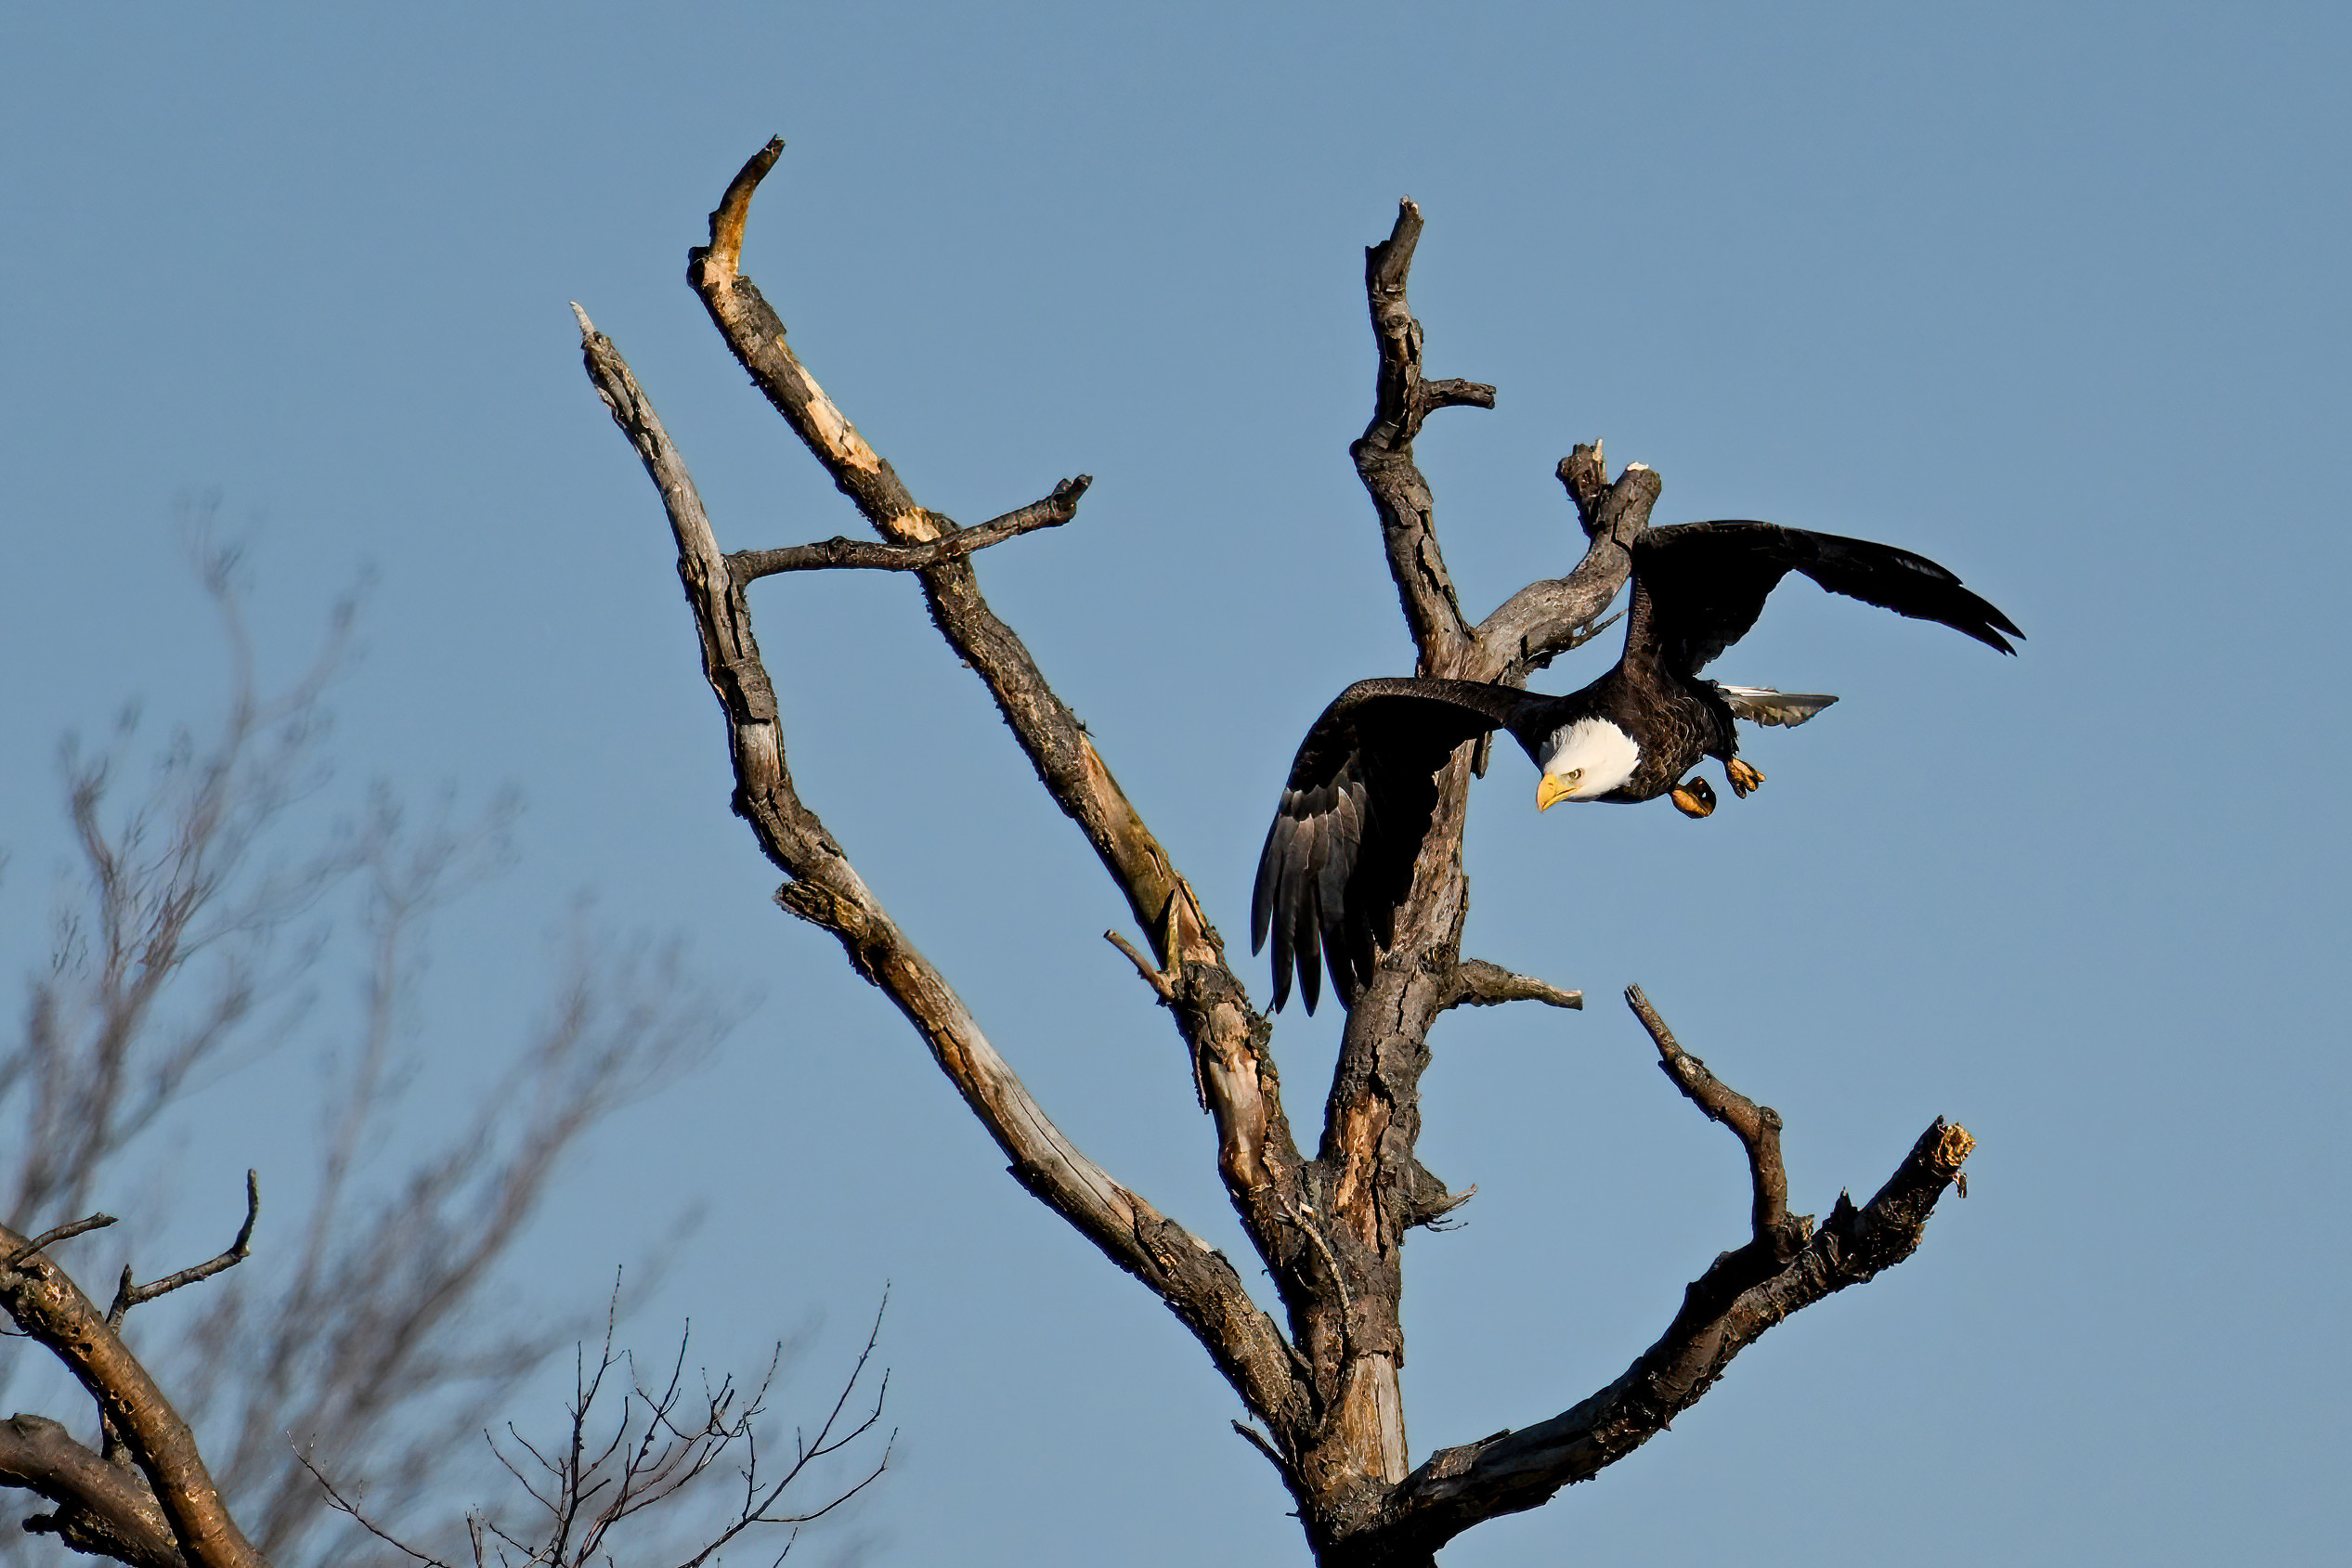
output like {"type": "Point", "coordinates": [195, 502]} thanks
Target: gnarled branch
{"type": "Point", "coordinates": [102, 1509]}
{"type": "Point", "coordinates": [749, 565]}
{"type": "Point", "coordinates": [1480, 984]}
{"type": "Point", "coordinates": [1722, 1314]}
{"type": "Point", "coordinates": [1196, 1282]}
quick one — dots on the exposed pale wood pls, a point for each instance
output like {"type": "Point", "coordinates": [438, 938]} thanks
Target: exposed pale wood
{"type": "Point", "coordinates": [1197, 1283]}
{"type": "Point", "coordinates": [1480, 984]}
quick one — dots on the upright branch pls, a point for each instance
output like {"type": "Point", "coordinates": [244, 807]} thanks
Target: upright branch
{"type": "Point", "coordinates": [1375, 1187]}
{"type": "Point", "coordinates": [1384, 453]}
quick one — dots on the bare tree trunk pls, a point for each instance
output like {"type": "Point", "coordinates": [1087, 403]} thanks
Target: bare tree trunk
{"type": "Point", "coordinates": [1329, 1229]}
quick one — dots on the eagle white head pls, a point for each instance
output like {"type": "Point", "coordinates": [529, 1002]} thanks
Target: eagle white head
{"type": "Point", "coordinates": [1584, 761]}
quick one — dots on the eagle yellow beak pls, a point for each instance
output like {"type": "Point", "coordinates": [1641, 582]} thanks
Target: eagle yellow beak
{"type": "Point", "coordinates": [1550, 788]}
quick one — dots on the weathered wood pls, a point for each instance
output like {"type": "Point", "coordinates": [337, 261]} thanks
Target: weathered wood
{"type": "Point", "coordinates": [1329, 1229]}
{"type": "Point", "coordinates": [104, 1510]}
{"type": "Point", "coordinates": [1196, 1282]}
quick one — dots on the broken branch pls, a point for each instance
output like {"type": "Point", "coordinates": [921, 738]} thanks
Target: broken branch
{"type": "Point", "coordinates": [1515, 1471]}
{"type": "Point", "coordinates": [749, 565]}
{"type": "Point", "coordinates": [1480, 984]}
{"type": "Point", "coordinates": [1757, 1127]}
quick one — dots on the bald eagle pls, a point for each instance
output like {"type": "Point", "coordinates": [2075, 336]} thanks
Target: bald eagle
{"type": "Point", "coordinates": [1338, 861]}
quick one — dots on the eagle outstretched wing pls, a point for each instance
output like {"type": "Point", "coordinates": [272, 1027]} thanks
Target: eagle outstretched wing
{"type": "Point", "coordinates": [1339, 857]}
{"type": "Point", "coordinates": [1704, 584]}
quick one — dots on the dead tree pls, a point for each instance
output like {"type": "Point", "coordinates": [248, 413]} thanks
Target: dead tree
{"type": "Point", "coordinates": [1321, 1378]}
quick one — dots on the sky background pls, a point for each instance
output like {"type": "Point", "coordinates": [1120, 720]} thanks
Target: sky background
{"type": "Point", "coordinates": [2052, 294]}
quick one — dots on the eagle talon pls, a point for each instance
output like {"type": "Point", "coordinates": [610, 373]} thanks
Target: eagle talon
{"type": "Point", "coordinates": [1743, 777]}
{"type": "Point", "coordinates": [1695, 797]}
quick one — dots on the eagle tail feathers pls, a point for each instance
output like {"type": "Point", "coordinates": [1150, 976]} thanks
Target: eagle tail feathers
{"type": "Point", "coordinates": [1761, 705]}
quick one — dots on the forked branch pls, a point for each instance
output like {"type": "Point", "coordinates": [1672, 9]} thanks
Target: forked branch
{"type": "Point", "coordinates": [54, 1313]}
{"type": "Point", "coordinates": [1197, 1283]}
{"type": "Point", "coordinates": [127, 1295]}
{"type": "Point", "coordinates": [1728, 1308]}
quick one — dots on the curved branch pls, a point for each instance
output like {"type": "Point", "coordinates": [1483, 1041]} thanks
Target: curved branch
{"type": "Point", "coordinates": [128, 1295]}
{"type": "Point", "coordinates": [52, 1310]}
{"type": "Point", "coordinates": [1515, 1471]}
{"type": "Point", "coordinates": [1757, 1128]}
{"type": "Point", "coordinates": [1196, 1283]}
{"type": "Point", "coordinates": [104, 1510]}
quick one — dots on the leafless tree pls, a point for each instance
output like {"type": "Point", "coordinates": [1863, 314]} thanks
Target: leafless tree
{"type": "Point", "coordinates": [182, 950]}
{"type": "Point", "coordinates": [598, 1482]}
{"type": "Point", "coordinates": [1321, 1378]}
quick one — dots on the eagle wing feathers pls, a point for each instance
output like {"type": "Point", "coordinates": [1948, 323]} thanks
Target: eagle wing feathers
{"type": "Point", "coordinates": [1338, 859]}
{"type": "Point", "coordinates": [1707, 582]}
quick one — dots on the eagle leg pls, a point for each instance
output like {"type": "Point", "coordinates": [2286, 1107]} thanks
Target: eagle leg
{"type": "Point", "coordinates": [1695, 797]}
{"type": "Point", "coordinates": [1743, 777]}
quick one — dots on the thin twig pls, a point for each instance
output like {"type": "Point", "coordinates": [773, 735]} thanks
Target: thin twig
{"type": "Point", "coordinates": [127, 1296]}
{"type": "Point", "coordinates": [749, 565]}
{"type": "Point", "coordinates": [62, 1232]}
{"type": "Point", "coordinates": [344, 1505]}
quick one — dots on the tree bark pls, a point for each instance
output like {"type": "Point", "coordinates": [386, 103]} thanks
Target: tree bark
{"type": "Point", "coordinates": [55, 1314]}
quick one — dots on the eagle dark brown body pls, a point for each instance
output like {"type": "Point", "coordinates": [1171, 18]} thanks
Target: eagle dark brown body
{"type": "Point", "coordinates": [1339, 856]}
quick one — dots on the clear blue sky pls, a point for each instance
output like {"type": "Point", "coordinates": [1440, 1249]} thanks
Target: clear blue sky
{"type": "Point", "coordinates": [2053, 293]}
